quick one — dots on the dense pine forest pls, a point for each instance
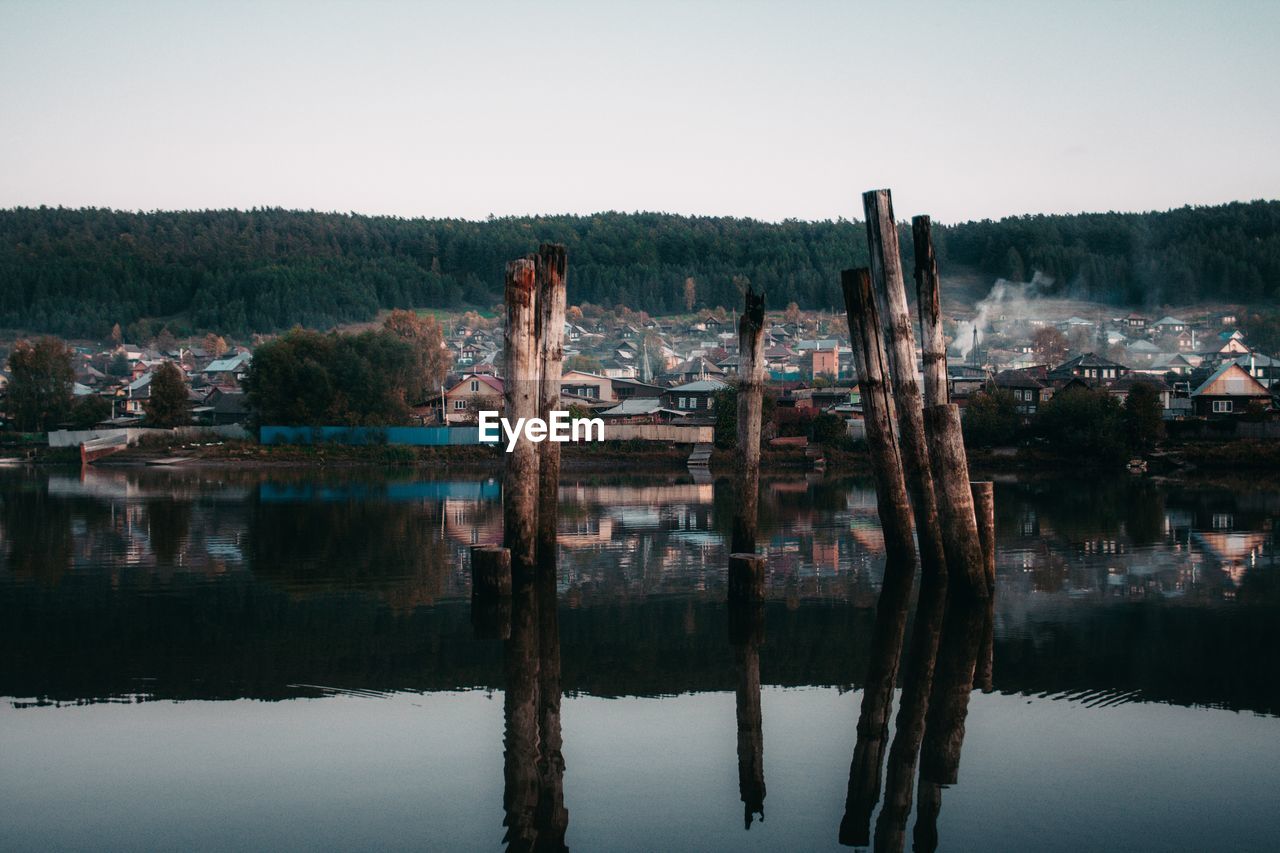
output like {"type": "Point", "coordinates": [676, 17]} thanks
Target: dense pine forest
{"type": "Point", "coordinates": [76, 272]}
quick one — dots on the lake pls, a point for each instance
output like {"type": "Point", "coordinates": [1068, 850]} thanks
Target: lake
{"type": "Point", "coordinates": [228, 659]}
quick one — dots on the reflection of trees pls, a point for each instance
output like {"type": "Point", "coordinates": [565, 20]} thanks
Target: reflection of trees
{"type": "Point", "coordinates": [168, 522]}
{"type": "Point", "coordinates": [37, 532]}
{"type": "Point", "coordinates": [395, 548]}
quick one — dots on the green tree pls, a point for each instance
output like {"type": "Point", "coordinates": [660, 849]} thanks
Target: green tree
{"type": "Point", "coordinates": [830, 430]}
{"type": "Point", "coordinates": [308, 378]}
{"type": "Point", "coordinates": [166, 404]}
{"type": "Point", "coordinates": [89, 410]}
{"type": "Point", "coordinates": [119, 365]}
{"type": "Point", "coordinates": [991, 418]}
{"type": "Point", "coordinates": [40, 380]}
{"type": "Point", "coordinates": [1085, 425]}
{"type": "Point", "coordinates": [725, 407]}
{"type": "Point", "coordinates": [1143, 416]}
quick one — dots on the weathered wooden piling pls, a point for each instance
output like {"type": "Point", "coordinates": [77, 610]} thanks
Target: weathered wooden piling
{"type": "Point", "coordinates": [984, 506]}
{"type": "Point", "coordinates": [521, 393]}
{"type": "Point", "coordinates": [490, 572]}
{"type": "Point", "coordinates": [751, 373]}
{"type": "Point", "coordinates": [550, 265]}
{"type": "Point", "coordinates": [746, 577]}
{"type": "Point", "coordinates": [942, 422]}
{"type": "Point", "coordinates": [871, 363]}
{"type": "Point", "coordinates": [891, 300]}
{"type": "Point", "coordinates": [984, 503]}
{"type": "Point", "coordinates": [520, 659]}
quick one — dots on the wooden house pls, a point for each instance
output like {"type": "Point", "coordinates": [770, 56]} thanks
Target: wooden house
{"type": "Point", "coordinates": [1229, 390]}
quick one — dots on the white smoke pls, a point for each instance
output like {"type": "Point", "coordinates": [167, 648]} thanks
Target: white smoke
{"type": "Point", "coordinates": [1008, 301]}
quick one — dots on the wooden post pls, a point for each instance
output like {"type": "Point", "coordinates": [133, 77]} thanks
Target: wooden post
{"type": "Point", "coordinates": [870, 361]}
{"type": "Point", "coordinates": [942, 424]}
{"type": "Point", "coordinates": [490, 572]}
{"type": "Point", "coordinates": [750, 407]}
{"type": "Point", "coordinates": [891, 300]}
{"type": "Point", "coordinates": [933, 344]}
{"type": "Point", "coordinates": [746, 577]}
{"type": "Point", "coordinates": [984, 505]}
{"type": "Point", "coordinates": [550, 264]}
{"type": "Point", "coordinates": [984, 502]}
{"type": "Point", "coordinates": [521, 391]}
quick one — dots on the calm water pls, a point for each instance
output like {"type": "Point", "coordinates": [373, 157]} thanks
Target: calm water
{"type": "Point", "coordinates": [230, 660]}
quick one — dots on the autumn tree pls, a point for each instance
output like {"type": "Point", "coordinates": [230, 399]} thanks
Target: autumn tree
{"type": "Point", "coordinates": [40, 380]}
{"type": "Point", "coordinates": [431, 358]}
{"type": "Point", "coordinates": [166, 405]}
{"type": "Point", "coordinates": [1049, 345]}
{"type": "Point", "coordinates": [215, 345]}
{"type": "Point", "coordinates": [792, 314]}
{"type": "Point", "coordinates": [117, 335]}
{"type": "Point", "coordinates": [690, 293]}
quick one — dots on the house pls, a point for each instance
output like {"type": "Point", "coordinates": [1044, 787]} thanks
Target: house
{"type": "Point", "coordinates": [228, 371]}
{"type": "Point", "coordinates": [1229, 390]}
{"type": "Point", "coordinates": [1264, 368]}
{"type": "Point", "coordinates": [1121, 387]}
{"type": "Point", "coordinates": [587, 386]}
{"type": "Point", "coordinates": [1089, 366]}
{"type": "Point", "coordinates": [132, 397]}
{"type": "Point", "coordinates": [1135, 323]}
{"type": "Point", "coordinates": [1169, 325]}
{"type": "Point", "coordinates": [1029, 386]}
{"type": "Point", "coordinates": [694, 369]}
{"type": "Point", "coordinates": [697, 396]}
{"type": "Point", "coordinates": [472, 393]}
{"type": "Point", "coordinates": [820, 357]}
{"type": "Point", "coordinates": [964, 379]}
{"type": "Point", "coordinates": [626, 389]}
{"type": "Point", "coordinates": [642, 410]}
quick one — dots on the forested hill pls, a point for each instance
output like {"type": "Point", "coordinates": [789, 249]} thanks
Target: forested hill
{"type": "Point", "coordinates": [76, 272]}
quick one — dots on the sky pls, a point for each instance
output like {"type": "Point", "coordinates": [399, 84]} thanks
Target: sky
{"type": "Point", "coordinates": [784, 110]}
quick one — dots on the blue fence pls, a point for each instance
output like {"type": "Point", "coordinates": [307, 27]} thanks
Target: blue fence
{"type": "Point", "coordinates": [410, 436]}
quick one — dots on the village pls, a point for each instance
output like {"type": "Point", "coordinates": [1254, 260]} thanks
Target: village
{"type": "Point", "coordinates": [635, 371]}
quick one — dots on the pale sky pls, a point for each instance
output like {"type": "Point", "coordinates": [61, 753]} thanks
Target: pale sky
{"type": "Point", "coordinates": [769, 110]}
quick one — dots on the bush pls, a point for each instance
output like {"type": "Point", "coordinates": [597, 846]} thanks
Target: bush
{"type": "Point", "coordinates": [1085, 424]}
{"type": "Point", "coordinates": [991, 418]}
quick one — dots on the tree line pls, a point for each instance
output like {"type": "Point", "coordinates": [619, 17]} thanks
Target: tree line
{"type": "Point", "coordinates": [75, 272]}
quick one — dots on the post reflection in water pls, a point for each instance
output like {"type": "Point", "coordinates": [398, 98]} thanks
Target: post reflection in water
{"type": "Point", "coordinates": [533, 761]}
{"type": "Point", "coordinates": [948, 637]}
{"type": "Point", "coordinates": [746, 633]}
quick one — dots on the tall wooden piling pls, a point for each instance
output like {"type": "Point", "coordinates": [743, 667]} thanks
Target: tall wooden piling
{"type": "Point", "coordinates": [942, 423]}
{"type": "Point", "coordinates": [550, 264]}
{"type": "Point", "coordinates": [871, 363]}
{"type": "Point", "coordinates": [751, 373]}
{"type": "Point", "coordinates": [891, 300]}
{"type": "Point", "coordinates": [521, 394]}
{"type": "Point", "coordinates": [490, 572]}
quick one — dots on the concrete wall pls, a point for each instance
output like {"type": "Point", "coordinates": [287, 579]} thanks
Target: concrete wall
{"type": "Point", "coordinates": [76, 437]}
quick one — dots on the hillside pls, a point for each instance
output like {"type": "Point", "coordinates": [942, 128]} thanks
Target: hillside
{"type": "Point", "coordinates": [77, 271]}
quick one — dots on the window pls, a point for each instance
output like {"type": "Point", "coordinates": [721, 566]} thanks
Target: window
{"type": "Point", "coordinates": [475, 385]}
{"type": "Point", "coordinates": [682, 402]}
{"type": "Point", "coordinates": [459, 404]}
{"type": "Point", "coordinates": [1221, 406]}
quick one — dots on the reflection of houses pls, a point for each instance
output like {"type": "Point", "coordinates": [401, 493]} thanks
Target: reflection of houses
{"type": "Point", "coordinates": [473, 522]}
